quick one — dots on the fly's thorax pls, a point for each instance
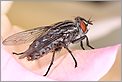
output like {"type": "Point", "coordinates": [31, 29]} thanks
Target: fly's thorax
{"type": "Point", "coordinates": [61, 27]}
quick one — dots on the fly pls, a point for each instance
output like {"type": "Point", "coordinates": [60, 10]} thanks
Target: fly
{"type": "Point", "coordinates": [51, 39]}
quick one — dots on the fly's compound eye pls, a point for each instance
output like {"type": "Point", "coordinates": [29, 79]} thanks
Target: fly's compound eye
{"type": "Point", "coordinates": [83, 26]}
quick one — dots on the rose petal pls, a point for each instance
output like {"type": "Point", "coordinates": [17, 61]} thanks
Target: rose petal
{"type": "Point", "coordinates": [92, 65]}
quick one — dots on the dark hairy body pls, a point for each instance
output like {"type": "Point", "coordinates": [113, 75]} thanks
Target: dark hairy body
{"type": "Point", "coordinates": [56, 37]}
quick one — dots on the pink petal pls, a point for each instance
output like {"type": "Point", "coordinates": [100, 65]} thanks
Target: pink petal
{"type": "Point", "coordinates": [92, 65]}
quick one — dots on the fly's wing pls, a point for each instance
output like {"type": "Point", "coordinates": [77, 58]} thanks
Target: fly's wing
{"type": "Point", "coordinates": [26, 36]}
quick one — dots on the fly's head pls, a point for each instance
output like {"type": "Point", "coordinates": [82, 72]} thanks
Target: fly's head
{"type": "Point", "coordinates": [82, 24]}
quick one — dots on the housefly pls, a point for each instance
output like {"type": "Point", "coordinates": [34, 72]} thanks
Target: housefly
{"type": "Point", "coordinates": [51, 39]}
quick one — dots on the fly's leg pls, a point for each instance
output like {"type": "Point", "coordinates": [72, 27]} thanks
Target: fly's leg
{"type": "Point", "coordinates": [81, 44]}
{"type": "Point", "coordinates": [77, 40]}
{"type": "Point", "coordinates": [50, 64]}
{"type": "Point", "coordinates": [18, 53]}
{"type": "Point", "coordinates": [87, 42]}
{"type": "Point", "coordinates": [22, 56]}
{"type": "Point", "coordinates": [72, 56]}
{"type": "Point", "coordinates": [65, 46]}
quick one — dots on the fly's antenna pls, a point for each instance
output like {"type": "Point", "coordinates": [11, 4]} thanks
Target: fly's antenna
{"type": "Point", "coordinates": [90, 21]}
{"type": "Point", "coordinates": [90, 18]}
{"type": "Point", "coordinates": [18, 53]}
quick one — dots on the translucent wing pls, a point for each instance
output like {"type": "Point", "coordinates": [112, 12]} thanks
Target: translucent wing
{"type": "Point", "coordinates": [26, 36]}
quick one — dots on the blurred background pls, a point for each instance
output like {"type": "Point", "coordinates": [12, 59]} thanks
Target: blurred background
{"type": "Point", "coordinates": [106, 16]}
